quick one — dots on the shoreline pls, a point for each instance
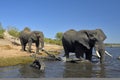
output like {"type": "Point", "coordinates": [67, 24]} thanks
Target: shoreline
{"type": "Point", "coordinates": [10, 54]}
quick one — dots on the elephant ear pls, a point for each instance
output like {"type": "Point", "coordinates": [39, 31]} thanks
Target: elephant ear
{"type": "Point", "coordinates": [88, 37]}
{"type": "Point", "coordinates": [83, 38]}
{"type": "Point", "coordinates": [101, 35]}
{"type": "Point", "coordinates": [33, 36]}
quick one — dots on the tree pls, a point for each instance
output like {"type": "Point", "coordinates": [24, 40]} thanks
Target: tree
{"type": "Point", "coordinates": [59, 36]}
{"type": "Point", "coordinates": [27, 29]}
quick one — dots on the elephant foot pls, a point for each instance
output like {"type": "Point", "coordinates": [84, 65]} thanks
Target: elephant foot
{"type": "Point", "coordinates": [22, 50]}
{"type": "Point", "coordinates": [30, 51]}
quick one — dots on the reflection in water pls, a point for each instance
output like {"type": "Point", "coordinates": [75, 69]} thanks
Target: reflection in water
{"type": "Point", "coordinates": [83, 70]}
{"type": "Point", "coordinates": [9, 72]}
{"type": "Point", "coordinates": [27, 71]}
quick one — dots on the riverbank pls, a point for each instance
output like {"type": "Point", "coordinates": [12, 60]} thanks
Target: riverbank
{"type": "Point", "coordinates": [10, 54]}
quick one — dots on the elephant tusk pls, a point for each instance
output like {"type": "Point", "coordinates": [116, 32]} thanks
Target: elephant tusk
{"type": "Point", "coordinates": [108, 54]}
{"type": "Point", "coordinates": [98, 54]}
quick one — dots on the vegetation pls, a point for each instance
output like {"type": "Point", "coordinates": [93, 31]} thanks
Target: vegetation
{"type": "Point", "coordinates": [112, 44]}
{"type": "Point", "coordinates": [57, 39]}
{"type": "Point", "coordinates": [27, 29]}
{"type": "Point", "coordinates": [59, 36]}
{"type": "Point", "coordinates": [1, 31]}
{"type": "Point", "coordinates": [53, 41]}
{"type": "Point", "coordinates": [15, 60]}
{"type": "Point", "coordinates": [13, 31]}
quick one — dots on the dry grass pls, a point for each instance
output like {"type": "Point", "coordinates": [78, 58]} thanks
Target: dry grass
{"type": "Point", "coordinates": [15, 60]}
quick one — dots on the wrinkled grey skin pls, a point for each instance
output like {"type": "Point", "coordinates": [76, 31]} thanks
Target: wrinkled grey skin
{"type": "Point", "coordinates": [83, 41]}
{"type": "Point", "coordinates": [36, 37]}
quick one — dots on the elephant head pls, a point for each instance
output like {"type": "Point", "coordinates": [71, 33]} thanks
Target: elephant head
{"type": "Point", "coordinates": [38, 37]}
{"type": "Point", "coordinates": [99, 44]}
{"type": "Point", "coordinates": [93, 38]}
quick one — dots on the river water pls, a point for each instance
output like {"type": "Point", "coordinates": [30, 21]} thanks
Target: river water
{"type": "Point", "coordinates": [59, 69]}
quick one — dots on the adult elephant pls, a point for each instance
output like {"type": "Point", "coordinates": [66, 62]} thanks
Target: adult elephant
{"type": "Point", "coordinates": [83, 41]}
{"type": "Point", "coordinates": [29, 37]}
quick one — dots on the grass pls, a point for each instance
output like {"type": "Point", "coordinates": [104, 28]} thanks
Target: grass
{"type": "Point", "coordinates": [15, 61]}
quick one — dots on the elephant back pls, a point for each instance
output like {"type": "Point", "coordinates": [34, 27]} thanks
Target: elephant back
{"type": "Point", "coordinates": [69, 35]}
{"type": "Point", "coordinates": [24, 35]}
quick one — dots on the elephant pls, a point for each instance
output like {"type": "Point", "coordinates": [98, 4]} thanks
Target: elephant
{"type": "Point", "coordinates": [82, 43]}
{"type": "Point", "coordinates": [30, 37]}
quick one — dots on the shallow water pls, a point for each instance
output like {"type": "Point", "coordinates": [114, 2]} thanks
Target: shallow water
{"type": "Point", "coordinates": [59, 69]}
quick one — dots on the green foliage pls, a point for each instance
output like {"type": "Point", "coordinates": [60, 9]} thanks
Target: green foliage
{"type": "Point", "coordinates": [59, 36]}
{"type": "Point", "coordinates": [27, 29]}
{"type": "Point", "coordinates": [13, 31]}
{"type": "Point", "coordinates": [57, 41]}
{"type": "Point", "coordinates": [112, 44]}
{"type": "Point", "coordinates": [53, 41]}
{"type": "Point", "coordinates": [1, 31]}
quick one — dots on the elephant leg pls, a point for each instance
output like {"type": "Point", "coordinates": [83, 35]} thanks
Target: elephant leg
{"type": "Point", "coordinates": [23, 45]}
{"type": "Point", "coordinates": [79, 52]}
{"type": "Point", "coordinates": [37, 48]}
{"type": "Point", "coordinates": [66, 51]}
{"type": "Point", "coordinates": [66, 54]}
{"type": "Point", "coordinates": [88, 54]}
{"type": "Point", "coordinates": [29, 45]}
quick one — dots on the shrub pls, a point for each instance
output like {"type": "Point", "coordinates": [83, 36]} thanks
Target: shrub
{"type": "Point", "coordinates": [13, 31]}
{"type": "Point", "coordinates": [27, 29]}
{"type": "Point", "coordinates": [53, 41]}
{"type": "Point", "coordinates": [1, 32]}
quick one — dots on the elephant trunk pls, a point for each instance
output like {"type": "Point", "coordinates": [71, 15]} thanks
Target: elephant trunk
{"type": "Point", "coordinates": [100, 50]}
{"type": "Point", "coordinates": [42, 43]}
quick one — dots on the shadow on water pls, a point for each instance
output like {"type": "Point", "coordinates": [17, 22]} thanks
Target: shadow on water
{"type": "Point", "coordinates": [59, 69]}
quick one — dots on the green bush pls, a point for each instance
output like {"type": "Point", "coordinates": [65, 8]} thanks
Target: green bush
{"type": "Point", "coordinates": [27, 29]}
{"type": "Point", "coordinates": [53, 41]}
{"type": "Point", "coordinates": [1, 32]}
{"type": "Point", "coordinates": [13, 31]}
{"type": "Point", "coordinates": [57, 40]}
{"type": "Point", "coordinates": [58, 36]}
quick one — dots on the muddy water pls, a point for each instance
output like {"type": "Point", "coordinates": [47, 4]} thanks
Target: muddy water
{"type": "Point", "coordinates": [58, 69]}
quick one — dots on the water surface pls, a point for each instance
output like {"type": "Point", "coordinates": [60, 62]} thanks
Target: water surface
{"type": "Point", "coordinates": [59, 69]}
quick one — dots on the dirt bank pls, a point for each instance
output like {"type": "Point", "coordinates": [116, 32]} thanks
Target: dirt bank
{"type": "Point", "coordinates": [9, 50]}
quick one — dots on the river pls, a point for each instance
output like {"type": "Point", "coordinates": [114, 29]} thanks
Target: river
{"type": "Point", "coordinates": [59, 69]}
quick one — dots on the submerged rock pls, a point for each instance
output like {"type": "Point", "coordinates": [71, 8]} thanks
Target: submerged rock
{"type": "Point", "coordinates": [118, 58]}
{"type": "Point", "coordinates": [38, 64]}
